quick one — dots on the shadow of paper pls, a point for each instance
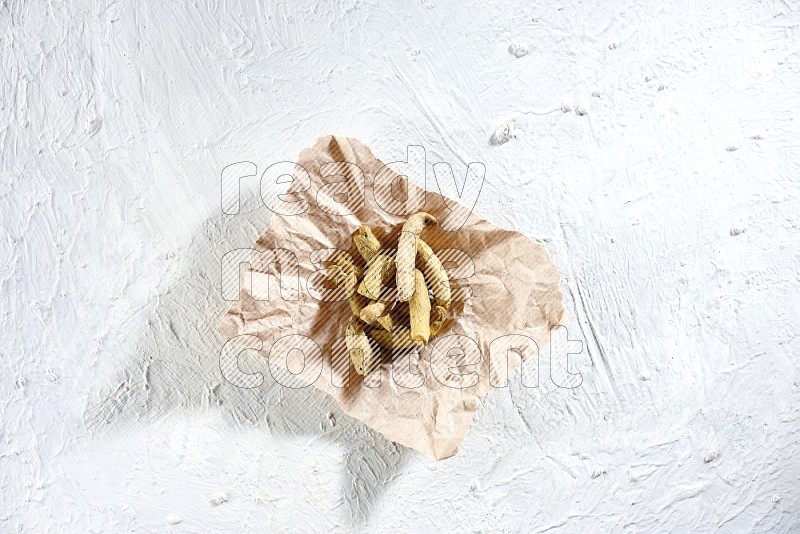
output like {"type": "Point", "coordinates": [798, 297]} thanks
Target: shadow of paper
{"type": "Point", "coordinates": [175, 367]}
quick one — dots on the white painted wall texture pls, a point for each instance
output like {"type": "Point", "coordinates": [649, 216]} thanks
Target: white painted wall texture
{"type": "Point", "coordinates": [653, 147]}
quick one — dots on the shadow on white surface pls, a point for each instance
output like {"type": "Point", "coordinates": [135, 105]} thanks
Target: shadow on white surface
{"type": "Point", "coordinates": [175, 367]}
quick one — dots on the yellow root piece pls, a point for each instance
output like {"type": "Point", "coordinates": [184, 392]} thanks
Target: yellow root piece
{"type": "Point", "coordinates": [344, 261]}
{"type": "Point", "coordinates": [400, 338]}
{"type": "Point", "coordinates": [336, 274]}
{"type": "Point", "coordinates": [407, 252]}
{"type": "Point", "coordinates": [426, 315]}
{"type": "Point", "coordinates": [377, 312]}
{"type": "Point", "coordinates": [419, 308]}
{"type": "Point", "coordinates": [347, 283]}
{"type": "Point", "coordinates": [378, 273]}
{"type": "Point", "coordinates": [366, 242]}
{"type": "Point", "coordinates": [372, 311]}
{"type": "Point", "coordinates": [358, 346]}
{"type": "Point", "coordinates": [386, 322]}
{"type": "Point", "coordinates": [435, 273]}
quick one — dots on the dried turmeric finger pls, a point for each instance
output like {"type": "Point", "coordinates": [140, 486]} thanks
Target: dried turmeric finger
{"type": "Point", "coordinates": [386, 321]}
{"type": "Point", "coordinates": [347, 282]}
{"type": "Point", "coordinates": [419, 308]}
{"type": "Point", "coordinates": [399, 338]}
{"type": "Point", "coordinates": [378, 312]}
{"type": "Point", "coordinates": [378, 273]}
{"type": "Point", "coordinates": [366, 242]}
{"type": "Point", "coordinates": [344, 261]}
{"type": "Point", "coordinates": [358, 346]}
{"type": "Point", "coordinates": [436, 274]}
{"type": "Point", "coordinates": [372, 311]}
{"type": "Point", "coordinates": [336, 274]}
{"type": "Point", "coordinates": [407, 252]}
{"type": "Point", "coordinates": [437, 321]}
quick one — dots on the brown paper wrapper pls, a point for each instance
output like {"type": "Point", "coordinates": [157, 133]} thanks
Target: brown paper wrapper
{"type": "Point", "coordinates": [417, 398]}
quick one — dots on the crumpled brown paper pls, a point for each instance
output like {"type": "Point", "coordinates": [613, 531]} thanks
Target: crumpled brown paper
{"type": "Point", "coordinates": [514, 292]}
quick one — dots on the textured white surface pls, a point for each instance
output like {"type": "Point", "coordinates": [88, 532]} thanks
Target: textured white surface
{"type": "Point", "coordinates": [654, 147]}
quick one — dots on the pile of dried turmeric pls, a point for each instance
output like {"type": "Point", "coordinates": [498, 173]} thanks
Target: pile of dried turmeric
{"type": "Point", "coordinates": [411, 317]}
